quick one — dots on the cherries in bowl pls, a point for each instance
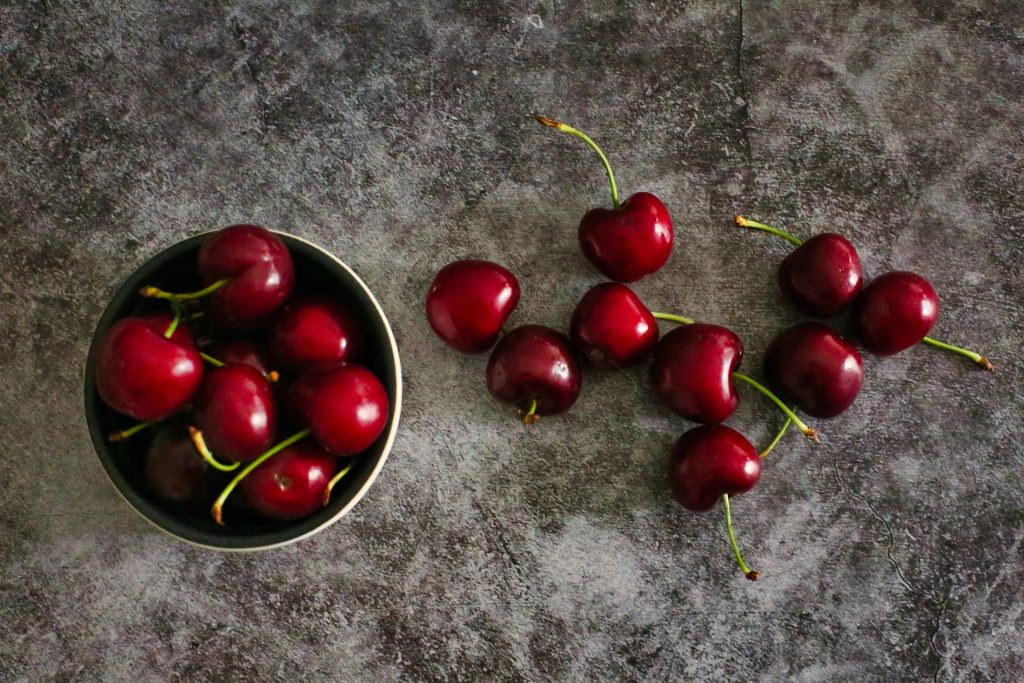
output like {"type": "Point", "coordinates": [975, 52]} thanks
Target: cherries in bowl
{"type": "Point", "coordinates": [317, 274]}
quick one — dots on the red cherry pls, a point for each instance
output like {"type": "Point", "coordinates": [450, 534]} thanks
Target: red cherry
{"type": "Point", "coordinates": [243, 352]}
{"type": "Point", "coordinates": [235, 412]}
{"type": "Point", "coordinates": [630, 240]}
{"type": "Point", "coordinates": [692, 371]}
{"type": "Point", "coordinates": [258, 269]}
{"type": "Point", "coordinates": [175, 473]}
{"type": "Point", "coordinates": [894, 312]}
{"type": "Point", "coordinates": [814, 367]}
{"type": "Point", "coordinates": [469, 302]}
{"type": "Point", "coordinates": [535, 368]}
{"type": "Point", "coordinates": [315, 331]}
{"type": "Point", "coordinates": [612, 328]}
{"type": "Point", "coordinates": [710, 461]}
{"type": "Point", "coordinates": [345, 406]}
{"type": "Point", "coordinates": [822, 276]}
{"type": "Point", "coordinates": [291, 484]}
{"type": "Point", "coordinates": [143, 374]}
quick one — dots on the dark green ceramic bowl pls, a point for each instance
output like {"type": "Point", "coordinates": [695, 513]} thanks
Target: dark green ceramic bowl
{"type": "Point", "coordinates": [174, 269]}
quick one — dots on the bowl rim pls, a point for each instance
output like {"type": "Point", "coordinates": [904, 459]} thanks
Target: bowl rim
{"type": "Point", "coordinates": [374, 473]}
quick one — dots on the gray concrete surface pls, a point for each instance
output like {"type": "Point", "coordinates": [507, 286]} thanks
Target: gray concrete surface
{"type": "Point", "coordinates": [397, 135]}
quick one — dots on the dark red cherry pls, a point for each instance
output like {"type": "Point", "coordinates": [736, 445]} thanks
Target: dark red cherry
{"type": "Point", "coordinates": [814, 367]}
{"type": "Point", "coordinates": [692, 371]}
{"type": "Point", "coordinates": [535, 367]}
{"type": "Point", "coordinates": [258, 269]}
{"type": "Point", "coordinates": [236, 413]}
{"type": "Point", "coordinates": [143, 374]}
{"type": "Point", "coordinates": [630, 242]}
{"type": "Point", "coordinates": [243, 352]}
{"type": "Point", "coordinates": [822, 276]}
{"type": "Point", "coordinates": [175, 473]}
{"type": "Point", "coordinates": [710, 461]}
{"type": "Point", "coordinates": [895, 312]}
{"type": "Point", "coordinates": [291, 484]}
{"type": "Point", "coordinates": [612, 328]}
{"type": "Point", "coordinates": [315, 331]}
{"type": "Point", "coordinates": [469, 302]}
{"type": "Point", "coordinates": [345, 406]}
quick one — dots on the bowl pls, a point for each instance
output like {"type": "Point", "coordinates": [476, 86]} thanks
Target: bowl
{"type": "Point", "coordinates": [174, 269]}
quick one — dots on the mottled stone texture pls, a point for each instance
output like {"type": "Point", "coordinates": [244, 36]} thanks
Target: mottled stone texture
{"type": "Point", "coordinates": [397, 135]}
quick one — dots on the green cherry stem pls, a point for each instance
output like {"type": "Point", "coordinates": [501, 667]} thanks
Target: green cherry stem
{"type": "Point", "coordinates": [778, 437]}
{"type": "Point", "coordinates": [751, 574]}
{"type": "Point", "coordinates": [530, 416]}
{"type": "Point", "coordinates": [558, 125]}
{"type": "Point", "coordinates": [126, 434]}
{"type": "Point", "coordinates": [200, 443]}
{"type": "Point", "coordinates": [156, 293]}
{"type": "Point", "coordinates": [747, 223]}
{"type": "Point", "coordinates": [217, 509]}
{"type": "Point", "coordinates": [334, 480]}
{"type": "Point", "coordinates": [211, 360]}
{"type": "Point", "coordinates": [976, 357]}
{"type": "Point", "coordinates": [174, 323]}
{"type": "Point", "coordinates": [672, 318]}
{"type": "Point", "coordinates": [807, 431]}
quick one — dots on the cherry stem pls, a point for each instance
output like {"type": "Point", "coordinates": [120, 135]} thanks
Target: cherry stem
{"type": "Point", "coordinates": [200, 443]}
{"type": "Point", "coordinates": [156, 293]}
{"type": "Point", "coordinates": [211, 360]}
{"type": "Point", "coordinates": [558, 125]}
{"type": "Point", "coordinates": [747, 223]}
{"type": "Point", "coordinates": [751, 574]}
{"type": "Point", "coordinates": [976, 357]}
{"type": "Point", "coordinates": [126, 434]}
{"type": "Point", "coordinates": [218, 505]}
{"type": "Point", "coordinates": [807, 431]}
{"type": "Point", "coordinates": [334, 480]}
{"type": "Point", "coordinates": [672, 318]}
{"type": "Point", "coordinates": [531, 416]}
{"type": "Point", "coordinates": [174, 323]}
{"type": "Point", "coordinates": [778, 437]}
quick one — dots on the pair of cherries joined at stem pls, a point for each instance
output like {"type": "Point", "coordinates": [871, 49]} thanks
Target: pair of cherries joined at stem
{"type": "Point", "coordinates": [150, 368]}
{"type": "Point", "coordinates": [896, 311]}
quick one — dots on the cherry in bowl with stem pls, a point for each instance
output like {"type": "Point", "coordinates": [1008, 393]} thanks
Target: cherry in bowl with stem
{"type": "Point", "coordinates": [816, 368]}
{"type": "Point", "coordinates": [174, 472]}
{"type": "Point", "coordinates": [247, 272]}
{"type": "Point", "coordinates": [236, 413]}
{"type": "Point", "coordinates": [292, 484]}
{"type": "Point", "coordinates": [468, 303]}
{"type": "Point", "coordinates": [713, 462]}
{"type": "Point", "coordinates": [632, 239]}
{"type": "Point", "coordinates": [535, 368]}
{"type": "Point", "coordinates": [148, 367]}
{"type": "Point", "coordinates": [344, 406]}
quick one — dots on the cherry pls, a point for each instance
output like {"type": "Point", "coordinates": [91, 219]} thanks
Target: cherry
{"type": "Point", "coordinates": [248, 272]}
{"type": "Point", "coordinates": [692, 371]}
{"type": "Point", "coordinates": [895, 312]}
{"type": "Point", "coordinates": [345, 406]}
{"type": "Point", "coordinates": [144, 372]}
{"type": "Point", "coordinates": [814, 367]}
{"type": "Point", "coordinates": [630, 240]}
{"type": "Point", "coordinates": [712, 462]}
{"type": "Point", "coordinates": [315, 331]}
{"type": "Point", "coordinates": [535, 368]}
{"type": "Point", "coordinates": [822, 276]}
{"type": "Point", "coordinates": [174, 472]}
{"type": "Point", "coordinates": [236, 413]}
{"type": "Point", "coordinates": [612, 328]}
{"type": "Point", "coordinates": [243, 352]}
{"type": "Point", "coordinates": [292, 484]}
{"type": "Point", "coordinates": [469, 302]}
